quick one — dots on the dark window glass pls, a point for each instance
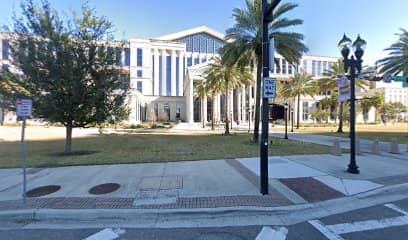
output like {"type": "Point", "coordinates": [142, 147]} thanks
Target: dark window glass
{"type": "Point", "coordinates": [290, 69]}
{"type": "Point", "coordinates": [203, 44]}
{"type": "Point", "coordinates": [118, 56]}
{"type": "Point", "coordinates": [110, 55]}
{"type": "Point", "coordinates": [278, 68]}
{"type": "Point", "coordinates": [139, 57]}
{"type": "Point", "coordinates": [140, 86]}
{"type": "Point", "coordinates": [189, 61]}
{"type": "Point", "coordinates": [127, 56]}
{"type": "Point", "coordinates": [139, 73]}
{"type": "Point", "coordinates": [305, 66]}
{"type": "Point", "coordinates": [319, 68]}
{"type": "Point", "coordinates": [196, 60]}
{"type": "Point", "coordinates": [196, 44]}
{"type": "Point", "coordinates": [305, 111]}
{"type": "Point", "coordinates": [283, 66]}
{"type": "Point", "coordinates": [5, 47]}
{"type": "Point", "coordinates": [203, 60]}
{"type": "Point", "coordinates": [314, 68]}
{"type": "Point", "coordinates": [168, 76]}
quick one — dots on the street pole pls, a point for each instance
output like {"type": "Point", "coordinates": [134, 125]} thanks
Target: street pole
{"type": "Point", "coordinates": [249, 120]}
{"type": "Point", "coordinates": [23, 159]}
{"type": "Point", "coordinates": [286, 121]}
{"type": "Point", "coordinates": [352, 167]}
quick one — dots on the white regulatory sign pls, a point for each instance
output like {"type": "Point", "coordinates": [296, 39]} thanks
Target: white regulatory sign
{"type": "Point", "coordinates": [269, 90]}
{"type": "Point", "coordinates": [24, 107]}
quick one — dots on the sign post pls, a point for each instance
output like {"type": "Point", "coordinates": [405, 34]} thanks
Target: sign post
{"type": "Point", "coordinates": [24, 109]}
{"type": "Point", "coordinates": [344, 89]}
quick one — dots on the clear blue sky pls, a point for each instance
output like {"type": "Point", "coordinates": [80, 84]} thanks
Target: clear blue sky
{"type": "Point", "coordinates": [324, 20]}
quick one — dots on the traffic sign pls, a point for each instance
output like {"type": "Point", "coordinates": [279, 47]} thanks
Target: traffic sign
{"type": "Point", "coordinates": [24, 107]}
{"type": "Point", "coordinates": [400, 78]}
{"type": "Point", "coordinates": [344, 89]}
{"type": "Point", "coordinates": [360, 77]}
{"type": "Point", "coordinates": [387, 78]}
{"type": "Point", "coordinates": [269, 89]}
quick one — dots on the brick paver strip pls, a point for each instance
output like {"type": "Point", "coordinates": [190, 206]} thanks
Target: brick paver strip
{"type": "Point", "coordinates": [311, 189]}
{"type": "Point", "coordinates": [274, 195]}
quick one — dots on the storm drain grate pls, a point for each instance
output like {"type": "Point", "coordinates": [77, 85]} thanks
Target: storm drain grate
{"type": "Point", "coordinates": [104, 188]}
{"type": "Point", "coordinates": [42, 191]}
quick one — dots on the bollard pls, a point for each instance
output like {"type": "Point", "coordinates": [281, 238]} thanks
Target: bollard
{"type": "Point", "coordinates": [336, 150]}
{"type": "Point", "coordinates": [394, 148]}
{"type": "Point", "coordinates": [358, 148]}
{"type": "Point", "coordinates": [375, 149]}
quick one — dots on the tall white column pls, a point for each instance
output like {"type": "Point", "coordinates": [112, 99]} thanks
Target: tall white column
{"type": "Point", "coordinates": [164, 73]}
{"type": "Point", "coordinates": [156, 79]}
{"type": "Point", "coordinates": [204, 104]}
{"type": "Point", "coordinates": [243, 101]}
{"type": "Point", "coordinates": [231, 105]}
{"type": "Point", "coordinates": [218, 109]}
{"type": "Point", "coordinates": [181, 73]}
{"type": "Point", "coordinates": [190, 101]}
{"type": "Point", "coordinates": [173, 73]}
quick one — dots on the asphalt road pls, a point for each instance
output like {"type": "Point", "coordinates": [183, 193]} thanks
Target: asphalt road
{"type": "Point", "coordinates": [385, 221]}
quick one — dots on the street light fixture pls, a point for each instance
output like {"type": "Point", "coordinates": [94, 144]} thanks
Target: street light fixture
{"type": "Point", "coordinates": [351, 66]}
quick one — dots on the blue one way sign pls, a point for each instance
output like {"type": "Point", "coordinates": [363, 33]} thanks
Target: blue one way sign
{"type": "Point", "coordinates": [269, 90]}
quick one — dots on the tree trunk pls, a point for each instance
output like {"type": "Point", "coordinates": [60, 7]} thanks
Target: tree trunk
{"type": "Point", "coordinates": [258, 98]}
{"type": "Point", "coordinates": [298, 112]}
{"type": "Point", "coordinates": [227, 132]}
{"type": "Point", "coordinates": [68, 140]}
{"type": "Point", "coordinates": [202, 112]}
{"type": "Point", "coordinates": [212, 111]}
{"type": "Point", "coordinates": [340, 129]}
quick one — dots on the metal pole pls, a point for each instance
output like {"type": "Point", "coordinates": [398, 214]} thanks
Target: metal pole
{"type": "Point", "coordinates": [265, 105]}
{"type": "Point", "coordinates": [286, 122]}
{"type": "Point", "coordinates": [23, 159]}
{"type": "Point", "coordinates": [291, 119]}
{"type": "Point", "coordinates": [352, 167]}
{"type": "Point", "coordinates": [249, 120]}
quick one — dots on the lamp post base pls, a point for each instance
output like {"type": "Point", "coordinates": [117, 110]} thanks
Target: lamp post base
{"type": "Point", "coordinates": [353, 169]}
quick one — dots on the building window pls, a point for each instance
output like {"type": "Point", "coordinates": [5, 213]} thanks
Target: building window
{"type": "Point", "coordinates": [319, 68]}
{"type": "Point", "coordinates": [278, 68]}
{"type": "Point", "coordinates": [203, 60]}
{"type": "Point", "coordinates": [210, 46]}
{"type": "Point", "coordinates": [139, 73]}
{"type": "Point", "coordinates": [189, 61]}
{"type": "Point", "coordinates": [196, 44]}
{"type": "Point", "coordinates": [139, 57]}
{"type": "Point", "coordinates": [325, 66]}
{"type": "Point", "coordinates": [196, 60]}
{"type": "Point", "coordinates": [290, 69]}
{"type": "Point", "coordinates": [127, 56]}
{"type": "Point", "coordinates": [203, 44]}
{"type": "Point", "coordinates": [305, 111]}
{"type": "Point", "coordinates": [124, 80]}
{"type": "Point", "coordinates": [139, 86]}
{"type": "Point", "coordinates": [166, 109]}
{"type": "Point", "coordinates": [5, 67]}
{"type": "Point", "coordinates": [178, 112]}
{"type": "Point", "coordinates": [168, 76]}
{"type": "Point", "coordinates": [283, 66]}
{"type": "Point", "coordinates": [118, 56]}
{"type": "Point", "coordinates": [160, 75]}
{"type": "Point", "coordinates": [110, 55]}
{"type": "Point", "coordinates": [5, 47]}
{"type": "Point", "coordinates": [314, 68]}
{"type": "Point", "coordinates": [156, 111]}
{"type": "Point", "coordinates": [177, 75]}
{"type": "Point", "coordinates": [305, 66]}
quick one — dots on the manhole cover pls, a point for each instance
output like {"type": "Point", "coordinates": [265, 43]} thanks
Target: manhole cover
{"type": "Point", "coordinates": [42, 191]}
{"type": "Point", "coordinates": [104, 188]}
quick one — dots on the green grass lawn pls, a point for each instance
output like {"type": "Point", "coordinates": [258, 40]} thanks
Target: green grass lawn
{"type": "Point", "coordinates": [382, 136]}
{"type": "Point", "coordinates": [142, 148]}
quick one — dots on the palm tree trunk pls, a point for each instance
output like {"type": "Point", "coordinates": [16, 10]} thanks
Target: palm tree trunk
{"type": "Point", "coordinates": [298, 112]}
{"type": "Point", "coordinates": [227, 132]}
{"type": "Point", "coordinates": [340, 129]}
{"type": "Point", "coordinates": [212, 111]}
{"type": "Point", "coordinates": [202, 112]}
{"type": "Point", "coordinates": [258, 98]}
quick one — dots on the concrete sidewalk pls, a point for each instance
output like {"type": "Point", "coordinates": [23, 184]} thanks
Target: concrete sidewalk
{"type": "Point", "coordinates": [365, 145]}
{"type": "Point", "coordinates": [204, 184]}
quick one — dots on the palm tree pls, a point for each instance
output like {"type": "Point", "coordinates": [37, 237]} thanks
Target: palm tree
{"type": "Point", "coordinates": [221, 75]}
{"type": "Point", "coordinates": [397, 60]}
{"type": "Point", "coordinates": [214, 86]}
{"type": "Point", "coordinates": [329, 83]}
{"type": "Point", "coordinates": [365, 103]}
{"type": "Point", "coordinates": [300, 85]}
{"type": "Point", "coordinates": [201, 91]}
{"type": "Point", "coordinates": [378, 101]}
{"type": "Point", "coordinates": [246, 49]}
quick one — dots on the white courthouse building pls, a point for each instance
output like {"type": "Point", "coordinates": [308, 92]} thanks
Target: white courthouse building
{"type": "Point", "coordinates": [164, 72]}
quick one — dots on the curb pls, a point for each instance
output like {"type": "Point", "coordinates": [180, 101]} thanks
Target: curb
{"type": "Point", "coordinates": [371, 198]}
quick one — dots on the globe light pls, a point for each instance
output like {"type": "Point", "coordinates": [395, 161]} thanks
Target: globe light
{"type": "Point", "coordinates": [344, 46]}
{"type": "Point", "coordinates": [359, 47]}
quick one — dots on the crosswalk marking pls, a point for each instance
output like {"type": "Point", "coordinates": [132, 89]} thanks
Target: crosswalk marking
{"type": "Point", "coordinates": [270, 233]}
{"type": "Point", "coordinates": [324, 230]}
{"type": "Point", "coordinates": [333, 231]}
{"type": "Point", "coordinates": [106, 234]}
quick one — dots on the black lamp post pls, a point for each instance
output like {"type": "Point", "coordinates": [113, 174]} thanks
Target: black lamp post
{"type": "Point", "coordinates": [291, 118]}
{"type": "Point", "coordinates": [286, 121]}
{"type": "Point", "coordinates": [351, 66]}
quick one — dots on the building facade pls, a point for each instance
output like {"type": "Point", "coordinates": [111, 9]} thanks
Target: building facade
{"type": "Point", "coordinates": [164, 72]}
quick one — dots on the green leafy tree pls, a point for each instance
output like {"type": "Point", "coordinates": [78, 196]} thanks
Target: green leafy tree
{"type": "Point", "coordinates": [329, 83]}
{"type": "Point", "coordinates": [65, 67]}
{"type": "Point", "coordinates": [378, 101]}
{"type": "Point", "coordinates": [300, 85]}
{"type": "Point", "coordinates": [397, 60]}
{"type": "Point", "coordinates": [214, 87]}
{"type": "Point", "coordinates": [319, 115]}
{"type": "Point", "coordinates": [365, 104]}
{"type": "Point", "coordinates": [226, 77]}
{"type": "Point", "coordinates": [246, 47]}
{"type": "Point", "coordinates": [390, 111]}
